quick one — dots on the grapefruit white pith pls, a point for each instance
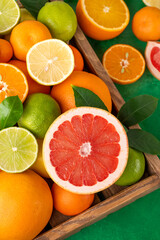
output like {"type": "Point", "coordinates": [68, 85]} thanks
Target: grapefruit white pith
{"type": "Point", "coordinates": [85, 150]}
{"type": "Point", "coordinates": [152, 56]}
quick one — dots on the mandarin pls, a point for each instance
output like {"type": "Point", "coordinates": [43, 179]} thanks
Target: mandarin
{"type": "Point", "coordinates": [64, 95]}
{"type": "Point", "coordinates": [69, 203]}
{"type": "Point", "coordinates": [25, 35]}
{"type": "Point", "coordinates": [78, 59]}
{"type": "Point", "coordinates": [6, 51]}
{"type": "Point", "coordinates": [145, 24]}
{"type": "Point", "coordinates": [33, 86]}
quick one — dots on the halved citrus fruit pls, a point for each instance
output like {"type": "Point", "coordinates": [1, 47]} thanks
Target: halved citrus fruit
{"type": "Point", "coordinates": [9, 15]}
{"type": "Point", "coordinates": [18, 149]}
{"type": "Point", "coordinates": [85, 150]}
{"type": "Point", "coordinates": [12, 82]}
{"type": "Point", "coordinates": [123, 63]}
{"type": "Point", "coordinates": [152, 3]}
{"type": "Point", "coordinates": [102, 20]}
{"type": "Point", "coordinates": [152, 56]}
{"type": "Point", "coordinates": [50, 62]}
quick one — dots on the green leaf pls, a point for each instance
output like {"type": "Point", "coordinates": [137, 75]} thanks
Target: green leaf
{"type": "Point", "coordinates": [143, 141]}
{"type": "Point", "coordinates": [137, 109]}
{"type": "Point", "coordinates": [11, 110]}
{"type": "Point", "coordinates": [85, 97]}
{"type": "Point", "coordinates": [33, 6]}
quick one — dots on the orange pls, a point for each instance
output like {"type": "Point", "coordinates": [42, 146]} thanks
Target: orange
{"type": "Point", "coordinates": [69, 203]}
{"type": "Point", "coordinates": [12, 82]}
{"type": "Point", "coordinates": [102, 20]}
{"type": "Point", "coordinates": [123, 63]}
{"type": "Point", "coordinates": [25, 35]}
{"type": "Point", "coordinates": [64, 95]}
{"type": "Point", "coordinates": [85, 150]}
{"type": "Point", "coordinates": [26, 205]}
{"type": "Point", "coordinates": [6, 51]}
{"type": "Point", "coordinates": [78, 59]}
{"type": "Point", "coordinates": [145, 24]}
{"type": "Point", "coordinates": [33, 86]}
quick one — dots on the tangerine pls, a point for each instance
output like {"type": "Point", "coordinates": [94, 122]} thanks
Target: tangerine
{"type": "Point", "coordinates": [6, 51]}
{"type": "Point", "coordinates": [78, 59]}
{"type": "Point", "coordinates": [145, 24]}
{"type": "Point", "coordinates": [64, 95]}
{"type": "Point", "coordinates": [25, 35]}
{"type": "Point", "coordinates": [69, 203]}
{"type": "Point", "coordinates": [33, 86]}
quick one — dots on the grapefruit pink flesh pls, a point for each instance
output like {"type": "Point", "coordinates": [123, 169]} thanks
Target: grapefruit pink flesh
{"type": "Point", "coordinates": [85, 150]}
{"type": "Point", "coordinates": [152, 56]}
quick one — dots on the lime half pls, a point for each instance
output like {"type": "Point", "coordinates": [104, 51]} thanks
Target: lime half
{"type": "Point", "coordinates": [9, 15]}
{"type": "Point", "coordinates": [18, 149]}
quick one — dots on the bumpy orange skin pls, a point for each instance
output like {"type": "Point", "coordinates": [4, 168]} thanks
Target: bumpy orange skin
{"type": "Point", "coordinates": [70, 203]}
{"type": "Point", "coordinates": [64, 95]}
{"type": "Point", "coordinates": [33, 86]}
{"type": "Point", "coordinates": [78, 59]}
{"type": "Point", "coordinates": [25, 205]}
{"type": "Point", "coordinates": [25, 35]}
{"type": "Point", "coordinates": [145, 24]}
{"type": "Point", "coordinates": [92, 30]}
{"type": "Point", "coordinates": [6, 51]}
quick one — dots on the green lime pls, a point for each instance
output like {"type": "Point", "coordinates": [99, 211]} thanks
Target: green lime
{"type": "Point", "coordinates": [18, 149]}
{"type": "Point", "coordinates": [40, 110]}
{"type": "Point", "coordinates": [25, 15]}
{"type": "Point", "coordinates": [9, 15]}
{"type": "Point", "coordinates": [60, 18]}
{"type": "Point", "coordinates": [134, 169]}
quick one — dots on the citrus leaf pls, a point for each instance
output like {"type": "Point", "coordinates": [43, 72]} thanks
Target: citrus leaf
{"type": "Point", "coordinates": [85, 97]}
{"type": "Point", "coordinates": [33, 6]}
{"type": "Point", "coordinates": [137, 109]}
{"type": "Point", "coordinates": [11, 110]}
{"type": "Point", "coordinates": [143, 141]}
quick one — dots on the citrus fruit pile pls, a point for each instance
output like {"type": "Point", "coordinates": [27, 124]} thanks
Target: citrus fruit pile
{"type": "Point", "coordinates": [84, 150]}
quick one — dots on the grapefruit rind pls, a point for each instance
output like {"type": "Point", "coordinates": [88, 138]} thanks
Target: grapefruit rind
{"type": "Point", "coordinates": [123, 156]}
{"type": "Point", "coordinates": [152, 69]}
{"type": "Point", "coordinates": [49, 45]}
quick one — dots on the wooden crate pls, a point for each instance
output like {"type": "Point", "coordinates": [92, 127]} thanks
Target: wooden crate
{"type": "Point", "coordinates": [115, 197]}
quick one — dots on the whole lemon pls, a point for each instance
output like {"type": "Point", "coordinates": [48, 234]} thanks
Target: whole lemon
{"type": "Point", "coordinates": [38, 166]}
{"type": "Point", "coordinates": [60, 18]}
{"type": "Point", "coordinates": [40, 110]}
{"type": "Point", "coordinates": [26, 205]}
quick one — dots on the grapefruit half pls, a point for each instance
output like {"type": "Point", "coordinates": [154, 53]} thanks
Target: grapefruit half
{"type": "Point", "coordinates": [85, 150]}
{"type": "Point", "coordinates": [152, 56]}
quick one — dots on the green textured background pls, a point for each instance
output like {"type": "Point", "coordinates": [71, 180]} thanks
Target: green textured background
{"type": "Point", "coordinates": [139, 220]}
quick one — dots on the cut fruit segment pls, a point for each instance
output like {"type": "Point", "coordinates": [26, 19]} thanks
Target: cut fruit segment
{"type": "Point", "coordinates": [12, 82]}
{"type": "Point", "coordinates": [85, 150]}
{"type": "Point", "coordinates": [152, 3]}
{"type": "Point", "coordinates": [50, 62]}
{"type": "Point", "coordinates": [103, 19]}
{"type": "Point", "coordinates": [18, 149]}
{"type": "Point", "coordinates": [152, 56]}
{"type": "Point", "coordinates": [9, 15]}
{"type": "Point", "coordinates": [123, 63]}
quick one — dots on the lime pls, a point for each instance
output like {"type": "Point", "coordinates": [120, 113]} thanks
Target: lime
{"type": "Point", "coordinates": [60, 18]}
{"type": "Point", "coordinates": [25, 15]}
{"type": "Point", "coordinates": [18, 149]}
{"type": "Point", "coordinates": [9, 15]}
{"type": "Point", "coordinates": [38, 166]}
{"type": "Point", "coordinates": [40, 110]}
{"type": "Point", "coordinates": [134, 169]}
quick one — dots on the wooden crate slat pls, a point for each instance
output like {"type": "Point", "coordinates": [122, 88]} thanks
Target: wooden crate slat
{"type": "Point", "coordinates": [102, 209]}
